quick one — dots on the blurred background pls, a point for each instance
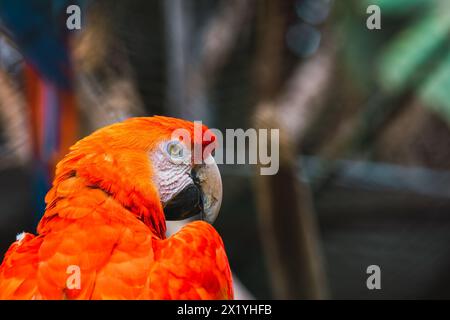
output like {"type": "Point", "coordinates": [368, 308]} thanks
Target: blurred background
{"type": "Point", "coordinates": [363, 114]}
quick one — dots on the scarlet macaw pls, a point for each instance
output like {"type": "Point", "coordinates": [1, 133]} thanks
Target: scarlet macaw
{"type": "Point", "coordinates": [106, 215]}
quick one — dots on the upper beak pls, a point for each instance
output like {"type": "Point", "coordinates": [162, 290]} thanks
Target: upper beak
{"type": "Point", "coordinates": [210, 182]}
{"type": "Point", "coordinates": [203, 196]}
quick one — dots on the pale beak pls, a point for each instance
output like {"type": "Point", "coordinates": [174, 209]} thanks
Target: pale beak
{"type": "Point", "coordinates": [210, 182]}
{"type": "Point", "coordinates": [203, 196]}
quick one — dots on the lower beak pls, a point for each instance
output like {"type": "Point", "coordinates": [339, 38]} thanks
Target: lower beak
{"type": "Point", "coordinates": [203, 196]}
{"type": "Point", "coordinates": [185, 204]}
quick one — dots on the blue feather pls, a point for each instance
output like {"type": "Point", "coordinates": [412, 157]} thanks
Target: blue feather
{"type": "Point", "coordinates": [38, 28]}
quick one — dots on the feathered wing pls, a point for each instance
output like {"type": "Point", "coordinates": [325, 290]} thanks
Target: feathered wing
{"type": "Point", "coordinates": [19, 268]}
{"type": "Point", "coordinates": [113, 256]}
{"type": "Point", "coordinates": [117, 255]}
{"type": "Point", "coordinates": [118, 262]}
{"type": "Point", "coordinates": [191, 264]}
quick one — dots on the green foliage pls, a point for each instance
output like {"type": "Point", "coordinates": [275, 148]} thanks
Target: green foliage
{"type": "Point", "coordinates": [412, 60]}
{"type": "Point", "coordinates": [436, 91]}
{"type": "Point", "coordinates": [411, 49]}
{"type": "Point", "coordinates": [361, 48]}
{"type": "Point", "coordinates": [398, 7]}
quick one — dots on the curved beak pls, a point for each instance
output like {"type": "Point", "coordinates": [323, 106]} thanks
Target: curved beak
{"type": "Point", "coordinates": [210, 182]}
{"type": "Point", "coordinates": [203, 196]}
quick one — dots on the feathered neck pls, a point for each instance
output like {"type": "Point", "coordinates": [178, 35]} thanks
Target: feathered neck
{"type": "Point", "coordinates": [86, 181]}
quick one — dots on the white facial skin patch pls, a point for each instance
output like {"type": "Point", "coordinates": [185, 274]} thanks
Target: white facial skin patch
{"type": "Point", "coordinates": [171, 175]}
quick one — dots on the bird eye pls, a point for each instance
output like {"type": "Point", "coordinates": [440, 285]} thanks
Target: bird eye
{"type": "Point", "coordinates": [175, 149]}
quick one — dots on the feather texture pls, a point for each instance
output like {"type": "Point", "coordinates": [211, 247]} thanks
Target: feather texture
{"type": "Point", "coordinates": [104, 216]}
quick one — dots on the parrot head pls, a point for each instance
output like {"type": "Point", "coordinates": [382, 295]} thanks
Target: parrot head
{"type": "Point", "coordinates": [141, 165]}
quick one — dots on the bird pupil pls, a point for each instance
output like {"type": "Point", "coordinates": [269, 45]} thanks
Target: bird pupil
{"type": "Point", "coordinates": [175, 149]}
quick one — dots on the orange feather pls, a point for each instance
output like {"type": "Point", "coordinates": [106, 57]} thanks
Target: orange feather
{"type": "Point", "coordinates": [104, 215]}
